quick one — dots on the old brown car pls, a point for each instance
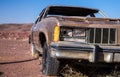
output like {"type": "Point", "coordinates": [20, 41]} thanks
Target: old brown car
{"type": "Point", "coordinates": [77, 33]}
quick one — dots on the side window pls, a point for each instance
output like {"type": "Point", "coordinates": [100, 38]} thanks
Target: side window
{"type": "Point", "coordinates": [42, 14]}
{"type": "Point", "coordinates": [37, 20]}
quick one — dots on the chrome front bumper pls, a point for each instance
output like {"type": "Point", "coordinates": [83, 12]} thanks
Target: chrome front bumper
{"type": "Point", "coordinates": [92, 53]}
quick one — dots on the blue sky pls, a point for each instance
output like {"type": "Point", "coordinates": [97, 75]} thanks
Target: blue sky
{"type": "Point", "coordinates": [26, 11]}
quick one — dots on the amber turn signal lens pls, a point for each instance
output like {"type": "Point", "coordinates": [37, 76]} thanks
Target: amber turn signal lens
{"type": "Point", "coordinates": [56, 33]}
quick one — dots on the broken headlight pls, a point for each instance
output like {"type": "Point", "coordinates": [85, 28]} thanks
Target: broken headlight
{"type": "Point", "coordinates": [73, 34]}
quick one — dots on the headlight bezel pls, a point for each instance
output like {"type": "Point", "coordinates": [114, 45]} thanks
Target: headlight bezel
{"type": "Point", "coordinates": [73, 34]}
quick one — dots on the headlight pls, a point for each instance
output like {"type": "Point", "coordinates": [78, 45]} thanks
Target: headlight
{"type": "Point", "coordinates": [73, 34]}
{"type": "Point", "coordinates": [78, 32]}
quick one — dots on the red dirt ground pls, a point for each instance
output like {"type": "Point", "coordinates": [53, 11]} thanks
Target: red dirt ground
{"type": "Point", "coordinates": [16, 60]}
{"type": "Point", "coordinates": [15, 56]}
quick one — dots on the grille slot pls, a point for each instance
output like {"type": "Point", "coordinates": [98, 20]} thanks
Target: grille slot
{"type": "Point", "coordinates": [102, 35]}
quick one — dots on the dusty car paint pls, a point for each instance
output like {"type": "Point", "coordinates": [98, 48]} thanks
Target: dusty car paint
{"type": "Point", "coordinates": [47, 24]}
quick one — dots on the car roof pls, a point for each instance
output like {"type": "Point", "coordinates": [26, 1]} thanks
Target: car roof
{"type": "Point", "coordinates": [70, 10]}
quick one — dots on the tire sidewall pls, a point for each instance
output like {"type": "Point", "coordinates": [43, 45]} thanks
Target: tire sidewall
{"type": "Point", "coordinates": [45, 50]}
{"type": "Point", "coordinates": [50, 66]}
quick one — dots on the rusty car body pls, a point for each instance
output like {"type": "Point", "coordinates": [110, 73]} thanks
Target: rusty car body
{"type": "Point", "coordinates": [77, 33]}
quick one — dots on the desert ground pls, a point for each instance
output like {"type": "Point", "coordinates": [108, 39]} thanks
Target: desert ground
{"type": "Point", "coordinates": [16, 60]}
{"type": "Point", "coordinates": [15, 56]}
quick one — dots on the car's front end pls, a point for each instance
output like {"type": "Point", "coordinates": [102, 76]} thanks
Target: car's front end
{"type": "Point", "coordinates": [91, 39]}
{"type": "Point", "coordinates": [79, 35]}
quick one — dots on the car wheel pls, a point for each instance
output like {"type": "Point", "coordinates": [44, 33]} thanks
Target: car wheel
{"type": "Point", "coordinates": [50, 66]}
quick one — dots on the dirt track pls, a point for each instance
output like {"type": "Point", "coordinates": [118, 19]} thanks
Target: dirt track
{"type": "Point", "coordinates": [16, 61]}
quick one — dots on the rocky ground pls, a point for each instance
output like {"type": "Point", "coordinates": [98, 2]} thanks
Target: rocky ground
{"type": "Point", "coordinates": [16, 60]}
{"type": "Point", "coordinates": [15, 57]}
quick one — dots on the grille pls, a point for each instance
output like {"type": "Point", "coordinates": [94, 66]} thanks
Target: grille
{"type": "Point", "coordinates": [102, 35]}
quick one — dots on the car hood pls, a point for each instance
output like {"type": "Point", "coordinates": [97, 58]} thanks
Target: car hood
{"type": "Point", "coordinates": [88, 19]}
